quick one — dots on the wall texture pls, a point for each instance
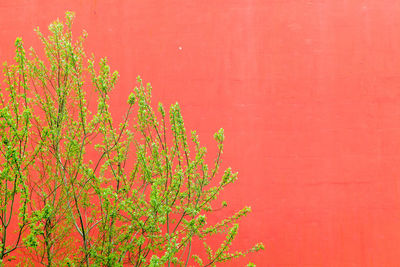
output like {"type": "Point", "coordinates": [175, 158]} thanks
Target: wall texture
{"type": "Point", "coordinates": [309, 95]}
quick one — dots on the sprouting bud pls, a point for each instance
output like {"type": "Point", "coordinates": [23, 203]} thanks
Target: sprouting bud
{"type": "Point", "coordinates": [18, 41]}
{"type": "Point", "coordinates": [161, 109]}
{"type": "Point", "coordinates": [131, 99]}
{"type": "Point", "coordinates": [219, 136]}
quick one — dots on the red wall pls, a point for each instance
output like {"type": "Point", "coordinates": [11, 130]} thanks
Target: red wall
{"type": "Point", "coordinates": [307, 91]}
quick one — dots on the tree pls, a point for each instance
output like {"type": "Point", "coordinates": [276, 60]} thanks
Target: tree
{"type": "Point", "coordinates": [85, 190]}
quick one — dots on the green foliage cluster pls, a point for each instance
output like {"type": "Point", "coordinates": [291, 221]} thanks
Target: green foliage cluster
{"type": "Point", "coordinates": [78, 189]}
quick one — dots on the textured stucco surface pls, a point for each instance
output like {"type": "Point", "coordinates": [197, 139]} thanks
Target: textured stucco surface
{"type": "Point", "coordinates": [307, 91]}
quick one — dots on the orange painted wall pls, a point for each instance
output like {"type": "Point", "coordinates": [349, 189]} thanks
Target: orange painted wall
{"type": "Point", "coordinates": [308, 93]}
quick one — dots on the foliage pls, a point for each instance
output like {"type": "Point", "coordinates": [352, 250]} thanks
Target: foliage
{"type": "Point", "coordinates": [84, 190]}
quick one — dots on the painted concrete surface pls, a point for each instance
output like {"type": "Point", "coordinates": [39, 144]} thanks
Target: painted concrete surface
{"type": "Point", "coordinates": [308, 93]}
